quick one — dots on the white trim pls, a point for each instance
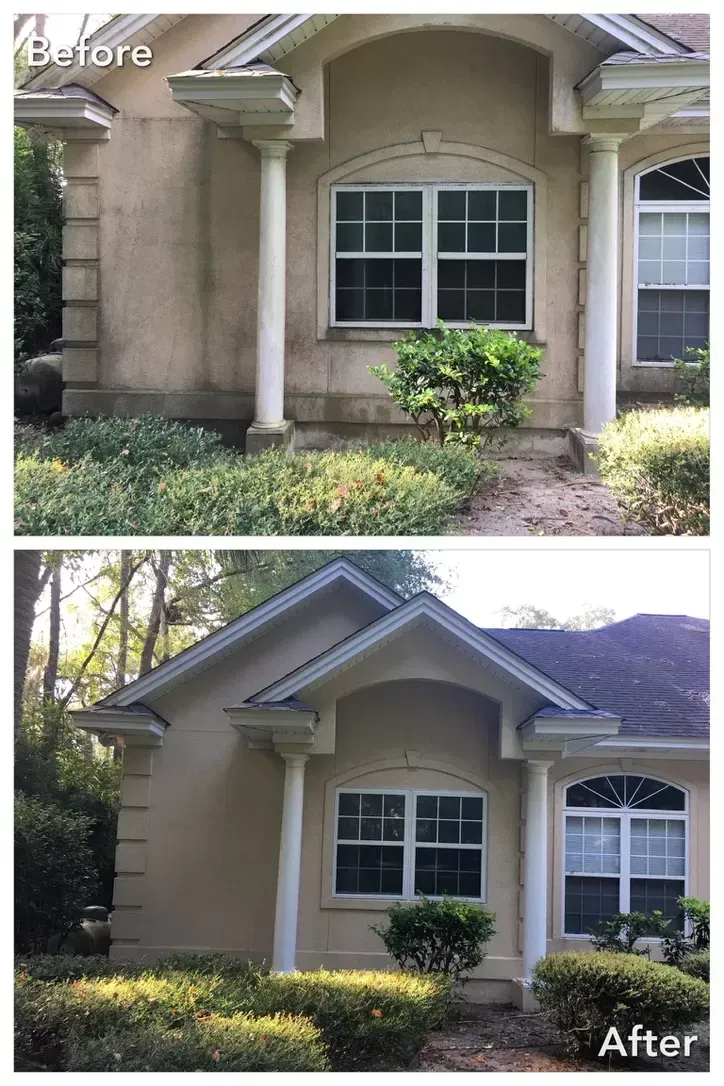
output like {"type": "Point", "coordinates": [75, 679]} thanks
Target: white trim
{"type": "Point", "coordinates": [409, 842]}
{"type": "Point", "coordinates": [75, 113]}
{"type": "Point", "coordinates": [672, 743]}
{"type": "Point", "coordinates": [625, 815]}
{"type": "Point", "coordinates": [261, 40]}
{"type": "Point", "coordinates": [251, 625]}
{"type": "Point", "coordinates": [638, 36]}
{"type": "Point", "coordinates": [408, 615]}
{"type": "Point", "coordinates": [702, 206]}
{"type": "Point", "coordinates": [429, 256]}
{"type": "Point", "coordinates": [137, 729]}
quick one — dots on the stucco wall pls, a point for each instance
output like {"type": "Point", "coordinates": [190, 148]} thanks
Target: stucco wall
{"type": "Point", "coordinates": [178, 217]}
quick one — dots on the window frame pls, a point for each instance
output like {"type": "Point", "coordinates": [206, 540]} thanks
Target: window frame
{"type": "Point", "coordinates": [625, 874]}
{"type": "Point", "coordinates": [671, 207]}
{"type": "Point", "coordinates": [429, 255]}
{"type": "Point", "coordinates": [409, 843]}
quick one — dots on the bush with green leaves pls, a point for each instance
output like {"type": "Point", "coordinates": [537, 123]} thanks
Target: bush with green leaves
{"type": "Point", "coordinates": [621, 933]}
{"type": "Point", "coordinates": [110, 477]}
{"type": "Point", "coordinates": [694, 937]}
{"type": "Point", "coordinates": [446, 936]}
{"type": "Point", "coordinates": [696, 964]}
{"type": "Point", "coordinates": [54, 872]}
{"type": "Point", "coordinates": [656, 465]}
{"type": "Point", "coordinates": [585, 994]}
{"type": "Point", "coordinates": [366, 1019]}
{"type": "Point", "coordinates": [460, 386]}
{"type": "Point", "coordinates": [693, 377]}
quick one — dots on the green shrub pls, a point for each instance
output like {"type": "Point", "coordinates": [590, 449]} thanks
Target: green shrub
{"type": "Point", "coordinates": [366, 1019]}
{"type": "Point", "coordinates": [54, 871]}
{"type": "Point", "coordinates": [388, 489]}
{"type": "Point", "coordinates": [585, 994]}
{"type": "Point", "coordinates": [462, 468]}
{"type": "Point", "coordinates": [460, 385]}
{"type": "Point", "coordinates": [241, 1043]}
{"type": "Point", "coordinates": [656, 464]}
{"type": "Point", "coordinates": [446, 936]}
{"type": "Point", "coordinates": [620, 934]}
{"type": "Point", "coordinates": [696, 964]}
{"type": "Point", "coordinates": [678, 945]}
{"type": "Point", "coordinates": [693, 375]}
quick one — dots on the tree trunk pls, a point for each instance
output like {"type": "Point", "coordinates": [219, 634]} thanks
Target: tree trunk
{"type": "Point", "coordinates": [157, 606]}
{"type": "Point", "coordinates": [29, 583]}
{"type": "Point", "coordinates": [122, 661]}
{"type": "Point", "coordinates": [50, 675]}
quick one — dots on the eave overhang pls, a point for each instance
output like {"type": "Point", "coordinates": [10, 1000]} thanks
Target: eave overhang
{"type": "Point", "coordinates": [646, 90]}
{"type": "Point", "coordinates": [567, 732]}
{"type": "Point", "coordinates": [268, 726]}
{"type": "Point", "coordinates": [70, 113]}
{"type": "Point", "coordinates": [236, 97]}
{"type": "Point", "coordinates": [136, 726]}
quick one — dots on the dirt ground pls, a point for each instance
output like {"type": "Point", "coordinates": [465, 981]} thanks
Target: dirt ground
{"type": "Point", "coordinates": [498, 1037]}
{"type": "Point", "coordinates": [543, 496]}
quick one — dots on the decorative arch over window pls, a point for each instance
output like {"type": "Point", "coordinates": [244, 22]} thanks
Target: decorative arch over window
{"type": "Point", "coordinates": [627, 853]}
{"type": "Point", "coordinates": [672, 259]}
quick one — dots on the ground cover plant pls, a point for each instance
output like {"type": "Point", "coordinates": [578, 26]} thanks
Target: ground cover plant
{"type": "Point", "coordinates": [151, 476]}
{"type": "Point", "coordinates": [656, 465]}
{"type": "Point", "coordinates": [586, 994]}
{"type": "Point", "coordinates": [192, 1012]}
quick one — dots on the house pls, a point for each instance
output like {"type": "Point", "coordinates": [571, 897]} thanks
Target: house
{"type": "Point", "coordinates": [258, 213]}
{"type": "Point", "coordinates": [339, 748]}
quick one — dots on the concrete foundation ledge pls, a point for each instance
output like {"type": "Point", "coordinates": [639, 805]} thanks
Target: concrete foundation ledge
{"type": "Point", "coordinates": [583, 450]}
{"type": "Point", "coordinates": [522, 995]}
{"type": "Point", "coordinates": [259, 438]}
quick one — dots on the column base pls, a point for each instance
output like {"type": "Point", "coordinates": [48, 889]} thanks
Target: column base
{"type": "Point", "coordinates": [259, 438]}
{"type": "Point", "coordinates": [522, 995]}
{"type": "Point", "coordinates": [582, 450]}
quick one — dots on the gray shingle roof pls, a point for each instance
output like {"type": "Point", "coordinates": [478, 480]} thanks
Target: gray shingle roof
{"type": "Point", "coordinates": [689, 29]}
{"type": "Point", "coordinates": [652, 670]}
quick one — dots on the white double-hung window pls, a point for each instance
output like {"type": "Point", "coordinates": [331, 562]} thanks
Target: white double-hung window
{"type": "Point", "coordinates": [625, 849]}
{"type": "Point", "coordinates": [672, 260]}
{"type": "Point", "coordinates": [401, 843]}
{"type": "Point", "coordinates": [409, 254]}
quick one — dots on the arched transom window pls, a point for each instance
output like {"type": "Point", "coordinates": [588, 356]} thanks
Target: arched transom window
{"type": "Point", "coordinates": [672, 260]}
{"type": "Point", "coordinates": [625, 849]}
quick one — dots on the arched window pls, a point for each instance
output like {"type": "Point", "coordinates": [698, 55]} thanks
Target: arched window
{"type": "Point", "coordinates": [625, 849]}
{"type": "Point", "coordinates": [672, 260]}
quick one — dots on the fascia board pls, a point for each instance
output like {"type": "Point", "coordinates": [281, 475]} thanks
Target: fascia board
{"type": "Point", "coordinates": [230, 87]}
{"type": "Point", "coordinates": [407, 615]}
{"type": "Point", "coordinates": [608, 77]}
{"type": "Point", "coordinates": [143, 729]}
{"type": "Point", "coordinates": [638, 36]}
{"type": "Point", "coordinates": [257, 41]}
{"type": "Point", "coordinates": [66, 111]}
{"type": "Point", "coordinates": [248, 626]}
{"type": "Point", "coordinates": [115, 33]}
{"type": "Point", "coordinates": [569, 728]}
{"type": "Point", "coordinates": [672, 743]}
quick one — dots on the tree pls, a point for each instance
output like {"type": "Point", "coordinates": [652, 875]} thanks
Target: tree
{"type": "Point", "coordinates": [30, 580]}
{"type": "Point", "coordinates": [529, 617]}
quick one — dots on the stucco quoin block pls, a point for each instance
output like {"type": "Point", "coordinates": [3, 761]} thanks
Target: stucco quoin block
{"type": "Point", "coordinates": [80, 365]}
{"type": "Point", "coordinates": [80, 159]}
{"type": "Point", "coordinates": [135, 791]}
{"type": "Point", "coordinates": [80, 241]}
{"type": "Point", "coordinates": [80, 323]}
{"type": "Point", "coordinates": [80, 201]}
{"type": "Point", "coordinates": [80, 284]}
{"type": "Point", "coordinates": [137, 760]}
{"type": "Point", "coordinates": [584, 199]}
{"type": "Point", "coordinates": [128, 891]}
{"type": "Point", "coordinates": [131, 858]}
{"type": "Point", "coordinates": [582, 243]}
{"type": "Point", "coordinates": [133, 823]}
{"type": "Point", "coordinates": [127, 924]}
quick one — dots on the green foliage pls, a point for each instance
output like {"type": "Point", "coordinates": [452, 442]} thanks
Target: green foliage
{"type": "Point", "coordinates": [106, 477]}
{"type": "Point", "coordinates": [696, 964]}
{"type": "Point", "coordinates": [446, 936]}
{"type": "Point", "coordinates": [38, 230]}
{"type": "Point", "coordinates": [585, 994]}
{"type": "Point", "coordinates": [620, 934]}
{"type": "Point", "coordinates": [656, 464]}
{"type": "Point", "coordinates": [460, 385]}
{"type": "Point", "coordinates": [54, 871]}
{"type": "Point", "coordinates": [678, 945]}
{"type": "Point", "coordinates": [366, 1019]}
{"type": "Point", "coordinates": [529, 617]}
{"type": "Point", "coordinates": [693, 375]}
{"type": "Point", "coordinates": [56, 765]}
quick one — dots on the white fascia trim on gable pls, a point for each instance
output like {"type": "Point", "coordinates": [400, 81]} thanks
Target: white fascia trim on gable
{"type": "Point", "coordinates": [62, 112]}
{"type": "Point", "coordinates": [115, 33]}
{"type": "Point", "coordinates": [253, 624]}
{"type": "Point", "coordinates": [423, 606]}
{"type": "Point", "coordinates": [136, 729]}
{"type": "Point", "coordinates": [689, 75]}
{"type": "Point", "coordinates": [256, 43]}
{"type": "Point", "coordinates": [638, 36]}
{"type": "Point", "coordinates": [672, 743]}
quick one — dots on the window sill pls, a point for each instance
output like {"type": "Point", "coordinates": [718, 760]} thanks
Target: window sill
{"type": "Point", "coordinates": [390, 334]}
{"type": "Point", "coordinates": [654, 365]}
{"type": "Point", "coordinates": [381, 904]}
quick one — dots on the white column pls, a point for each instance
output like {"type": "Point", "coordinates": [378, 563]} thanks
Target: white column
{"type": "Point", "coordinates": [599, 388]}
{"type": "Point", "coordinates": [271, 305]}
{"type": "Point", "coordinates": [290, 860]}
{"type": "Point", "coordinates": [535, 891]}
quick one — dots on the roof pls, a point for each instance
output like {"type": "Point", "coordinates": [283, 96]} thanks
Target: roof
{"type": "Point", "coordinates": [646, 58]}
{"type": "Point", "coordinates": [691, 30]}
{"type": "Point", "coordinates": [651, 670]}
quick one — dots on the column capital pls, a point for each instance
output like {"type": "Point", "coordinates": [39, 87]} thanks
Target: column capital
{"type": "Point", "coordinates": [538, 767]}
{"type": "Point", "coordinates": [603, 141]}
{"type": "Point", "coordinates": [273, 148]}
{"type": "Point", "coordinates": [295, 761]}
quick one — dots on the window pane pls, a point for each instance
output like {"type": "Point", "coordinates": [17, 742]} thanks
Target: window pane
{"type": "Point", "coordinates": [588, 901]}
{"type": "Point", "coordinates": [348, 829]}
{"type": "Point", "coordinates": [427, 806]}
{"type": "Point", "coordinates": [482, 205]}
{"type": "Point", "coordinates": [448, 832]}
{"type": "Point", "coordinates": [658, 846]}
{"type": "Point", "coordinates": [408, 237]}
{"type": "Point", "coordinates": [378, 305]}
{"type": "Point", "coordinates": [426, 829]}
{"type": "Point", "coordinates": [349, 803]}
{"type": "Point", "coordinates": [648, 895]}
{"type": "Point", "coordinates": [513, 205]}
{"type": "Point", "coordinates": [593, 845]}
{"type": "Point", "coordinates": [472, 808]}
{"type": "Point", "coordinates": [369, 869]}
{"type": "Point", "coordinates": [481, 237]}
{"type": "Point", "coordinates": [451, 205]}
{"type": "Point", "coordinates": [448, 870]}
{"type": "Point", "coordinates": [451, 305]}
{"type": "Point", "coordinates": [448, 807]}
{"type": "Point", "coordinates": [349, 237]}
{"type": "Point", "coordinates": [596, 792]}
{"type": "Point", "coordinates": [451, 237]}
{"type": "Point", "coordinates": [512, 237]}
{"type": "Point", "coordinates": [510, 307]}
{"type": "Point", "coordinates": [687, 181]}
{"type": "Point", "coordinates": [408, 205]}
{"type": "Point", "coordinates": [378, 205]}
{"type": "Point", "coordinates": [350, 273]}
{"type": "Point", "coordinates": [471, 833]}
{"type": "Point", "coordinates": [371, 829]}
{"type": "Point", "coordinates": [660, 339]}
{"type": "Point", "coordinates": [379, 273]}
{"type": "Point", "coordinates": [349, 206]}
{"type": "Point", "coordinates": [378, 237]}
{"type": "Point", "coordinates": [482, 290]}
{"type": "Point", "coordinates": [377, 289]}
